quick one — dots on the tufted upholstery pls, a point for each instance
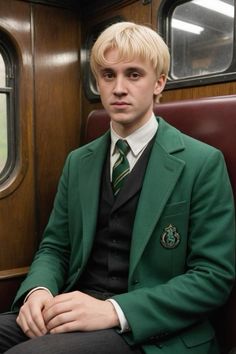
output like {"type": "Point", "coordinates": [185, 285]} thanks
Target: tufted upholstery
{"type": "Point", "coordinates": [212, 120]}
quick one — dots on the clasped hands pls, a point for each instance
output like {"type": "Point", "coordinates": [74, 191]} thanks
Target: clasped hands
{"type": "Point", "coordinates": [75, 311]}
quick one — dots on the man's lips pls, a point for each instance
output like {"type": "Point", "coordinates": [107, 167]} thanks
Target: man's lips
{"type": "Point", "coordinates": [120, 104]}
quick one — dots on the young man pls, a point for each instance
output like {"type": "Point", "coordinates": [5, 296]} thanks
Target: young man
{"type": "Point", "coordinates": [139, 248]}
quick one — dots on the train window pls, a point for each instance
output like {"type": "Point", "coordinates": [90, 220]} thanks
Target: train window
{"type": "Point", "coordinates": [200, 35]}
{"type": "Point", "coordinates": [7, 131]}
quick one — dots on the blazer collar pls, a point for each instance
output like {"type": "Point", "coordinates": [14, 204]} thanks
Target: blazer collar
{"type": "Point", "coordinates": [169, 138]}
{"type": "Point", "coordinates": [91, 166]}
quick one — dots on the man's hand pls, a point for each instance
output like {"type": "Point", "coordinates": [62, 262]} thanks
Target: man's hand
{"type": "Point", "coordinates": [30, 317]}
{"type": "Point", "coordinates": [77, 311]}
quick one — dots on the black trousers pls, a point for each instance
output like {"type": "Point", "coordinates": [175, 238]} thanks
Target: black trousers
{"type": "Point", "coordinates": [14, 341]}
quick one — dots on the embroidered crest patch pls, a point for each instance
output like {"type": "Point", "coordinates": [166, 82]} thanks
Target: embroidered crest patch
{"type": "Point", "coordinates": [170, 237]}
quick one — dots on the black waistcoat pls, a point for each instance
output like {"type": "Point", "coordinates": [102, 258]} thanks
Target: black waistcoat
{"type": "Point", "coordinates": [108, 265]}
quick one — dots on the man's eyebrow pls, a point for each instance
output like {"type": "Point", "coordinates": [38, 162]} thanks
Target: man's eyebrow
{"type": "Point", "coordinates": [135, 68]}
{"type": "Point", "coordinates": [104, 69]}
{"type": "Point", "coordinates": [130, 68]}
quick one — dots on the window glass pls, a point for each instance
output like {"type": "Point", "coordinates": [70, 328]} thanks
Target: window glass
{"type": "Point", "coordinates": [201, 38]}
{"type": "Point", "coordinates": [3, 131]}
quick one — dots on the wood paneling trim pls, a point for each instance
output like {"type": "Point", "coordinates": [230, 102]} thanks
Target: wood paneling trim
{"type": "Point", "coordinates": [99, 6]}
{"type": "Point", "coordinates": [13, 273]}
{"type": "Point", "coordinates": [15, 179]}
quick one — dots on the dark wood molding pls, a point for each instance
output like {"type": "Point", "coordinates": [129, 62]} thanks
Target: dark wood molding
{"type": "Point", "coordinates": [99, 6]}
{"type": "Point", "coordinates": [13, 273]}
{"type": "Point", "coordinates": [69, 4]}
{"type": "Point", "coordinates": [84, 6]}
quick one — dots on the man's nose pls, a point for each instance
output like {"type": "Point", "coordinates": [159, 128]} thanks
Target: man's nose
{"type": "Point", "coordinates": [119, 88]}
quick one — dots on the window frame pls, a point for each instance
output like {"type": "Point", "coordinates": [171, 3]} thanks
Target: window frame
{"type": "Point", "coordinates": [9, 56]}
{"type": "Point", "coordinates": [164, 14]}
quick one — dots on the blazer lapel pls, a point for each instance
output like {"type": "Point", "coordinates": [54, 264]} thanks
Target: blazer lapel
{"type": "Point", "coordinates": [91, 170]}
{"type": "Point", "coordinates": [162, 173]}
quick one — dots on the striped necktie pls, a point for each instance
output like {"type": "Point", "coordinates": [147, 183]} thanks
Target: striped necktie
{"type": "Point", "coordinates": [121, 166]}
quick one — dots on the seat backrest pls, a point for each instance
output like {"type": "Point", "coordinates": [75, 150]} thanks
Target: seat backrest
{"type": "Point", "coordinates": [212, 120]}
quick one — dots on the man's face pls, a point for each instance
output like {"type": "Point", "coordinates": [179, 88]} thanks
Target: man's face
{"type": "Point", "coordinates": [127, 89]}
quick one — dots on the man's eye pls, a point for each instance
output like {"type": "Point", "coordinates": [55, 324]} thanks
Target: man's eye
{"type": "Point", "coordinates": [134, 75]}
{"type": "Point", "coordinates": [108, 76]}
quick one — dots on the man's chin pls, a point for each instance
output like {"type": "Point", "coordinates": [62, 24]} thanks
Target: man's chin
{"type": "Point", "coordinates": [121, 117]}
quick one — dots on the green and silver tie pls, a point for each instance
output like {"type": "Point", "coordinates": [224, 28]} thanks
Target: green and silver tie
{"type": "Point", "coordinates": [121, 166]}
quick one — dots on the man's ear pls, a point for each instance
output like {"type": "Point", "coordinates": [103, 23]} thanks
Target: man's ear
{"type": "Point", "coordinates": [160, 85]}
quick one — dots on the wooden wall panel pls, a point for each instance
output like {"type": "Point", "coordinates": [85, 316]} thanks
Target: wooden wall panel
{"type": "Point", "coordinates": [57, 103]}
{"type": "Point", "coordinates": [220, 89]}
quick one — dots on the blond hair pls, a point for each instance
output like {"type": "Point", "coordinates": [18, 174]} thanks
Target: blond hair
{"type": "Point", "coordinates": [132, 41]}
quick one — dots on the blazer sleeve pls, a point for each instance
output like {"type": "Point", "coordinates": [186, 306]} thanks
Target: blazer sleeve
{"type": "Point", "coordinates": [156, 310]}
{"type": "Point", "coordinates": [50, 265]}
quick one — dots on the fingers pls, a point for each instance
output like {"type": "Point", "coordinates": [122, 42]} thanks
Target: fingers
{"type": "Point", "coordinates": [69, 312]}
{"type": "Point", "coordinates": [76, 311]}
{"type": "Point", "coordinates": [63, 314]}
{"type": "Point", "coordinates": [59, 312]}
{"type": "Point", "coordinates": [30, 317]}
{"type": "Point", "coordinates": [31, 321]}
{"type": "Point", "coordinates": [67, 327]}
{"type": "Point", "coordinates": [62, 323]}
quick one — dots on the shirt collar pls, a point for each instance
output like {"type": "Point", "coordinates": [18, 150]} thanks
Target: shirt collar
{"type": "Point", "coordinates": [139, 138]}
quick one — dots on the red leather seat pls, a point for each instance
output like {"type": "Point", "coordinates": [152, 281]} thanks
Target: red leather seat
{"type": "Point", "coordinates": [212, 120]}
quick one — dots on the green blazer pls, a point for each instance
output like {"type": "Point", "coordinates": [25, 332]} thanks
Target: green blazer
{"type": "Point", "coordinates": [183, 241]}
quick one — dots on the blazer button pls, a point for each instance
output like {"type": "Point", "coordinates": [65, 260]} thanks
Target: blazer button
{"type": "Point", "coordinates": [135, 282]}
